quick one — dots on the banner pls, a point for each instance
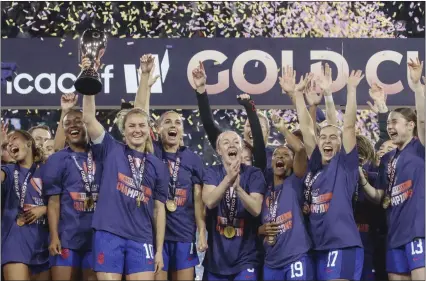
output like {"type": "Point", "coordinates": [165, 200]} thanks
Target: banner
{"type": "Point", "coordinates": [233, 66]}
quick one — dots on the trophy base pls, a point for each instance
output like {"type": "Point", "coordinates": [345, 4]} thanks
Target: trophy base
{"type": "Point", "coordinates": [88, 85]}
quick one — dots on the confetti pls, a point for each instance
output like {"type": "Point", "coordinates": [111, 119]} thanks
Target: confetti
{"type": "Point", "coordinates": [211, 19]}
{"type": "Point", "coordinates": [207, 20]}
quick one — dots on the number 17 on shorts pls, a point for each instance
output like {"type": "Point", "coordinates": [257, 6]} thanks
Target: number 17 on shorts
{"type": "Point", "coordinates": [344, 263]}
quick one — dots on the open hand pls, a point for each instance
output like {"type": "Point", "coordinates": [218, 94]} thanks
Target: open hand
{"type": "Point", "coordinates": [355, 78]}
{"type": "Point", "coordinates": [415, 68]}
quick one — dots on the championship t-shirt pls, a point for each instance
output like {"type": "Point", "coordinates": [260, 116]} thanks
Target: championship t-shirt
{"type": "Point", "coordinates": [181, 226]}
{"type": "Point", "coordinates": [63, 175]}
{"type": "Point", "coordinates": [331, 219]}
{"type": "Point", "coordinates": [405, 214]}
{"type": "Point", "coordinates": [230, 256]}
{"type": "Point", "coordinates": [26, 244]}
{"type": "Point", "coordinates": [282, 204]}
{"type": "Point", "coordinates": [124, 208]}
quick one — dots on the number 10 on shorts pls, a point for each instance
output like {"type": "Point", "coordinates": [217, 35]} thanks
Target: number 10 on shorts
{"type": "Point", "coordinates": [149, 250]}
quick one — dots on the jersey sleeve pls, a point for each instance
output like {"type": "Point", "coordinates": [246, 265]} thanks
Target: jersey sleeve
{"type": "Point", "coordinates": [102, 146]}
{"type": "Point", "coordinates": [7, 184]}
{"type": "Point", "coordinates": [162, 182]}
{"type": "Point", "coordinates": [210, 177]}
{"type": "Point", "coordinates": [382, 180]}
{"type": "Point", "coordinates": [314, 163]}
{"type": "Point", "coordinates": [197, 170]}
{"type": "Point", "coordinates": [157, 149]}
{"type": "Point", "coordinates": [419, 178]}
{"type": "Point", "coordinates": [257, 183]}
{"type": "Point", "coordinates": [420, 149]}
{"type": "Point", "coordinates": [52, 174]}
{"type": "Point", "coordinates": [351, 159]}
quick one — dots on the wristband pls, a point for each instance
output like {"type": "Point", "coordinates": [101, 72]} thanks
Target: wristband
{"type": "Point", "coordinates": [329, 99]}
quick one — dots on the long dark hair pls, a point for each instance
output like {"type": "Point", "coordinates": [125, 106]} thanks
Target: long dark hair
{"type": "Point", "coordinates": [38, 155]}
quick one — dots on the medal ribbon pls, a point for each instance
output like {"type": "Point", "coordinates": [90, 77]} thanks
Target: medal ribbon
{"type": "Point", "coordinates": [23, 192]}
{"type": "Point", "coordinates": [137, 175]}
{"type": "Point", "coordinates": [88, 178]}
{"type": "Point", "coordinates": [231, 203]}
{"type": "Point", "coordinates": [273, 204]}
{"type": "Point", "coordinates": [309, 182]}
{"type": "Point", "coordinates": [174, 175]}
{"type": "Point", "coordinates": [392, 173]}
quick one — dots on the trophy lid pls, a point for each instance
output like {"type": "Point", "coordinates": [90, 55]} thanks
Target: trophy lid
{"type": "Point", "coordinates": [92, 41]}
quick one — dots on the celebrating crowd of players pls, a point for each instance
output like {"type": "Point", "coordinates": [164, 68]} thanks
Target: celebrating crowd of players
{"type": "Point", "coordinates": [322, 206]}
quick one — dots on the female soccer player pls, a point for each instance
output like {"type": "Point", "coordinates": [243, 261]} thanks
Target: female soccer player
{"type": "Point", "coordinates": [233, 194]}
{"type": "Point", "coordinates": [401, 187]}
{"type": "Point", "coordinates": [286, 240]}
{"type": "Point", "coordinates": [130, 217]}
{"type": "Point", "coordinates": [368, 216]}
{"type": "Point", "coordinates": [254, 121]}
{"type": "Point", "coordinates": [71, 178]}
{"type": "Point", "coordinates": [24, 242]}
{"type": "Point", "coordinates": [184, 203]}
{"type": "Point", "coordinates": [330, 184]}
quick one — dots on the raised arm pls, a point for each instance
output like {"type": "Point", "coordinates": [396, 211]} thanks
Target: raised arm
{"type": "Point", "coordinates": [300, 160]}
{"type": "Point", "coordinates": [68, 101]}
{"type": "Point", "coordinates": [212, 131]}
{"type": "Point", "coordinates": [325, 81]}
{"type": "Point", "coordinates": [416, 68]}
{"type": "Point", "coordinates": [307, 126]}
{"type": "Point", "coordinates": [259, 153]}
{"type": "Point", "coordinates": [147, 79]}
{"type": "Point", "coordinates": [379, 107]}
{"type": "Point", "coordinates": [349, 119]}
{"type": "Point", "coordinates": [313, 98]}
{"type": "Point", "coordinates": [94, 128]}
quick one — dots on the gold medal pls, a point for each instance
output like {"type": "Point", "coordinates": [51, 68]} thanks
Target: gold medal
{"type": "Point", "coordinates": [271, 240]}
{"type": "Point", "coordinates": [89, 203]}
{"type": "Point", "coordinates": [229, 232]}
{"type": "Point", "coordinates": [386, 202]}
{"type": "Point", "coordinates": [20, 220]}
{"type": "Point", "coordinates": [171, 205]}
{"type": "Point", "coordinates": [306, 209]}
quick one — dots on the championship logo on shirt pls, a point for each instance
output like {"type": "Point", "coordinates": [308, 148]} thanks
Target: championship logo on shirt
{"type": "Point", "coordinates": [126, 185]}
{"type": "Point", "coordinates": [238, 224]}
{"type": "Point", "coordinates": [320, 202]}
{"type": "Point", "coordinates": [37, 200]}
{"type": "Point", "coordinates": [285, 222]}
{"type": "Point", "coordinates": [401, 193]}
{"type": "Point", "coordinates": [79, 198]}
